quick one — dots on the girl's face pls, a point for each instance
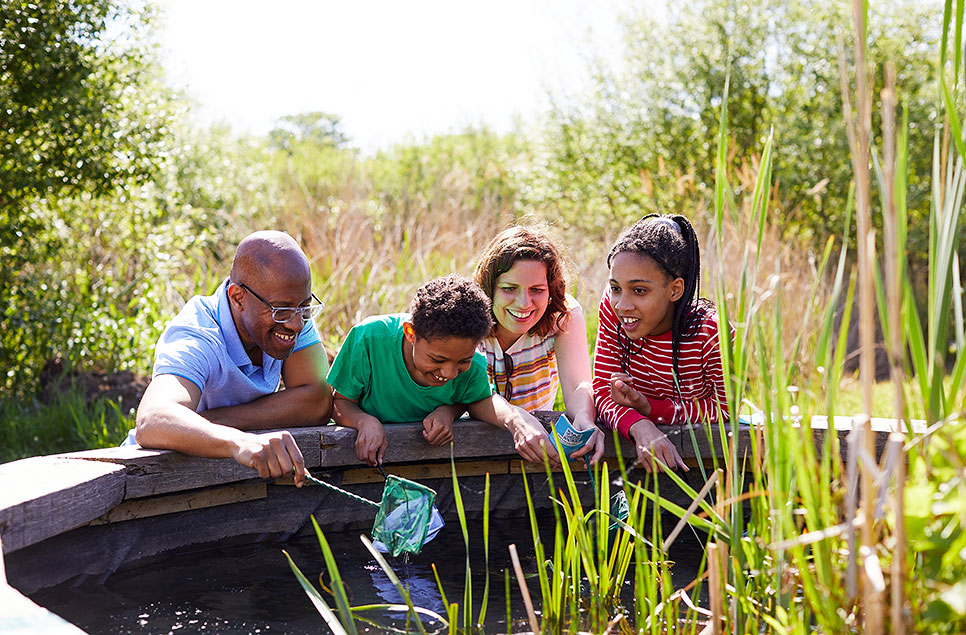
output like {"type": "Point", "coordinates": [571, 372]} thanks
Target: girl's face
{"type": "Point", "coordinates": [520, 298]}
{"type": "Point", "coordinates": [642, 294]}
{"type": "Point", "coordinates": [435, 361]}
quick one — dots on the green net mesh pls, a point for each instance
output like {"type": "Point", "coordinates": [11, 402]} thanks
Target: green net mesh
{"type": "Point", "coordinates": [402, 522]}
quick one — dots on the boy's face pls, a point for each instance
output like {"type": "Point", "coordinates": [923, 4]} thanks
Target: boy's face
{"type": "Point", "coordinates": [435, 361]}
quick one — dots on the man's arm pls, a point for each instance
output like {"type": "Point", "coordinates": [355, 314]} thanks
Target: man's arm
{"type": "Point", "coordinates": [529, 438]}
{"type": "Point", "coordinates": [166, 419]}
{"type": "Point", "coordinates": [306, 400]}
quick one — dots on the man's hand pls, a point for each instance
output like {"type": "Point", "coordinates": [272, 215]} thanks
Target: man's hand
{"type": "Point", "coordinates": [438, 426]}
{"type": "Point", "coordinates": [623, 392]}
{"type": "Point", "coordinates": [371, 442]}
{"type": "Point", "coordinates": [653, 444]}
{"type": "Point", "coordinates": [594, 447]}
{"type": "Point", "coordinates": [273, 454]}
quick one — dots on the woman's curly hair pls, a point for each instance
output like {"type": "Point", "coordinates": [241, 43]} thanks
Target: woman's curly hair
{"type": "Point", "coordinates": [526, 243]}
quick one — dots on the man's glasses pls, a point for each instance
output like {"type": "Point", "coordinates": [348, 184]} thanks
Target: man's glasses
{"type": "Point", "coordinates": [283, 314]}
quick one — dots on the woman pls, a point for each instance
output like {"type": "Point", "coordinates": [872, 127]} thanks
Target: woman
{"type": "Point", "coordinates": [539, 339]}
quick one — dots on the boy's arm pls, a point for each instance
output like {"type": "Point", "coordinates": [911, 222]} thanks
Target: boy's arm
{"type": "Point", "coordinates": [530, 440]}
{"type": "Point", "coordinates": [306, 400]}
{"type": "Point", "coordinates": [166, 419]}
{"type": "Point", "coordinates": [371, 442]}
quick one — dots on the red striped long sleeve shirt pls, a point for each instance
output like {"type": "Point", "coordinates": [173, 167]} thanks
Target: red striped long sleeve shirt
{"type": "Point", "coordinates": [651, 366]}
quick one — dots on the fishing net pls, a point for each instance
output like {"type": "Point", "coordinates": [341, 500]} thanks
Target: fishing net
{"type": "Point", "coordinates": [407, 517]}
{"type": "Point", "coordinates": [403, 520]}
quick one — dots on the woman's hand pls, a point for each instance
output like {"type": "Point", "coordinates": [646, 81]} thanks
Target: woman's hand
{"type": "Point", "coordinates": [594, 448]}
{"type": "Point", "coordinates": [655, 452]}
{"type": "Point", "coordinates": [623, 392]}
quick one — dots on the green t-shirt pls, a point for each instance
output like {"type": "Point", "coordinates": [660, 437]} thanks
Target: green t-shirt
{"type": "Point", "coordinates": [370, 369]}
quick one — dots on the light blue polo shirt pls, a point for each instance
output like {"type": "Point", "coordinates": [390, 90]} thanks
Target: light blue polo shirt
{"type": "Point", "coordinates": [202, 345]}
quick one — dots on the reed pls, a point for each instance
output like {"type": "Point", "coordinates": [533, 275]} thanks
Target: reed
{"type": "Point", "coordinates": [797, 539]}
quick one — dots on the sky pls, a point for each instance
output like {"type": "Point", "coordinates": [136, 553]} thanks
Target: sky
{"type": "Point", "coordinates": [393, 71]}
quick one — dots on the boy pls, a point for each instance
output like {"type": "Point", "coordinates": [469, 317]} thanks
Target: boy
{"type": "Point", "coordinates": [424, 366]}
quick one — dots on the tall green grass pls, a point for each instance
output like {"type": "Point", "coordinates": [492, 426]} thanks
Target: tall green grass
{"type": "Point", "coordinates": [799, 540]}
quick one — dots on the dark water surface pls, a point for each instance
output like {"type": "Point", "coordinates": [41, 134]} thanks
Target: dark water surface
{"type": "Point", "coordinates": [250, 588]}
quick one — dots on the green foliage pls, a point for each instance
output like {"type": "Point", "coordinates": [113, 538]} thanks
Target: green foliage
{"type": "Point", "coordinates": [316, 128]}
{"type": "Point", "coordinates": [75, 118]}
{"type": "Point", "coordinates": [67, 424]}
{"type": "Point", "coordinates": [641, 142]}
{"type": "Point", "coordinates": [935, 515]}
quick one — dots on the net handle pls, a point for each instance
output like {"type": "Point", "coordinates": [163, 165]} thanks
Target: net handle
{"type": "Point", "coordinates": [332, 487]}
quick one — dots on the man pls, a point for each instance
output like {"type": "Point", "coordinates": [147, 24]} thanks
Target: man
{"type": "Point", "coordinates": [217, 365]}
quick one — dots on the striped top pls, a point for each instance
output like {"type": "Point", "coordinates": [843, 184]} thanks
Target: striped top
{"type": "Point", "coordinates": [528, 367]}
{"type": "Point", "coordinates": [650, 365]}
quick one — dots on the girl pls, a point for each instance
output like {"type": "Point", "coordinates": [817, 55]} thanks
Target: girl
{"type": "Point", "coordinates": [538, 331]}
{"type": "Point", "coordinates": [657, 357]}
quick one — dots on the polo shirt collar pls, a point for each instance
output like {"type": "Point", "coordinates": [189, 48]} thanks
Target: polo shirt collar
{"type": "Point", "coordinates": [236, 350]}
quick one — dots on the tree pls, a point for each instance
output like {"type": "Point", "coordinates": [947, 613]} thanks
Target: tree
{"type": "Point", "coordinates": [643, 140]}
{"type": "Point", "coordinates": [83, 125]}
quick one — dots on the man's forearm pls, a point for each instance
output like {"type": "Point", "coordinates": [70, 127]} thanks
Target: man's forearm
{"type": "Point", "coordinates": [309, 405]}
{"type": "Point", "coordinates": [175, 427]}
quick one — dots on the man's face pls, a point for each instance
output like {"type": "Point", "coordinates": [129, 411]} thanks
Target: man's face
{"type": "Point", "coordinates": [257, 328]}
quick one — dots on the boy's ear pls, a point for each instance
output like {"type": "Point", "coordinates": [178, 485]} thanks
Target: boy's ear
{"type": "Point", "coordinates": [677, 289]}
{"type": "Point", "coordinates": [409, 332]}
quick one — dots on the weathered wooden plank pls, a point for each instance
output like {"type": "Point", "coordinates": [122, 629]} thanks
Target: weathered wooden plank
{"type": "Point", "coordinates": [153, 472]}
{"type": "Point", "coordinates": [406, 443]}
{"type": "Point", "coordinates": [44, 496]}
{"type": "Point", "coordinates": [172, 503]}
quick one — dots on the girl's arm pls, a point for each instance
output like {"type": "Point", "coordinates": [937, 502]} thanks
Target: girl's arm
{"type": "Point", "coordinates": [606, 364]}
{"type": "Point", "coordinates": [705, 409]}
{"type": "Point", "coordinates": [573, 366]}
{"type": "Point", "coordinates": [649, 442]}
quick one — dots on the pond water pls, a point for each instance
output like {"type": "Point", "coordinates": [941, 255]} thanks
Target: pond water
{"type": "Point", "coordinates": [250, 588]}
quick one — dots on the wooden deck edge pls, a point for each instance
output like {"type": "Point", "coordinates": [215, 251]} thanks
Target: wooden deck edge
{"type": "Point", "coordinates": [44, 496]}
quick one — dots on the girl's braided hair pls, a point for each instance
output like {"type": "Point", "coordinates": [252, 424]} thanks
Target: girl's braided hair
{"type": "Point", "coordinates": [668, 239]}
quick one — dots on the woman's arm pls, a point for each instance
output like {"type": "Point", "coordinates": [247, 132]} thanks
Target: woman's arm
{"type": "Point", "coordinates": [573, 366]}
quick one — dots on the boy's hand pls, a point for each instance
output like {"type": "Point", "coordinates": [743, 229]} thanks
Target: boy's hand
{"type": "Point", "coordinates": [371, 441]}
{"type": "Point", "coordinates": [653, 444]}
{"type": "Point", "coordinates": [438, 426]}
{"type": "Point", "coordinates": [623, 392]}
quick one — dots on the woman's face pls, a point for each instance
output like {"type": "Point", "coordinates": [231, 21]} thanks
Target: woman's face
{"type": "Point", "coordinates": [520, 298]}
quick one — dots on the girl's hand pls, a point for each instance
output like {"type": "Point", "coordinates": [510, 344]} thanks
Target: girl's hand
{"type": "Point", "coordinates": [594, 448]}
{"type": "Point", "coordinates": [653, 444]}
{"type": "Point", "coordinates": [438, 426]}
{"type": "Point", "coordinates": [623, 392]}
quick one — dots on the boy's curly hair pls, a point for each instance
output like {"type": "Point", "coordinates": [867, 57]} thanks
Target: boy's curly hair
{"type": "Point", "coordinates": [451, 306]}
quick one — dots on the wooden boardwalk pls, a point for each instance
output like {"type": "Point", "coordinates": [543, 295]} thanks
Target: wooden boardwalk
{"type": "Point", "coordinates": [90, 513]}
